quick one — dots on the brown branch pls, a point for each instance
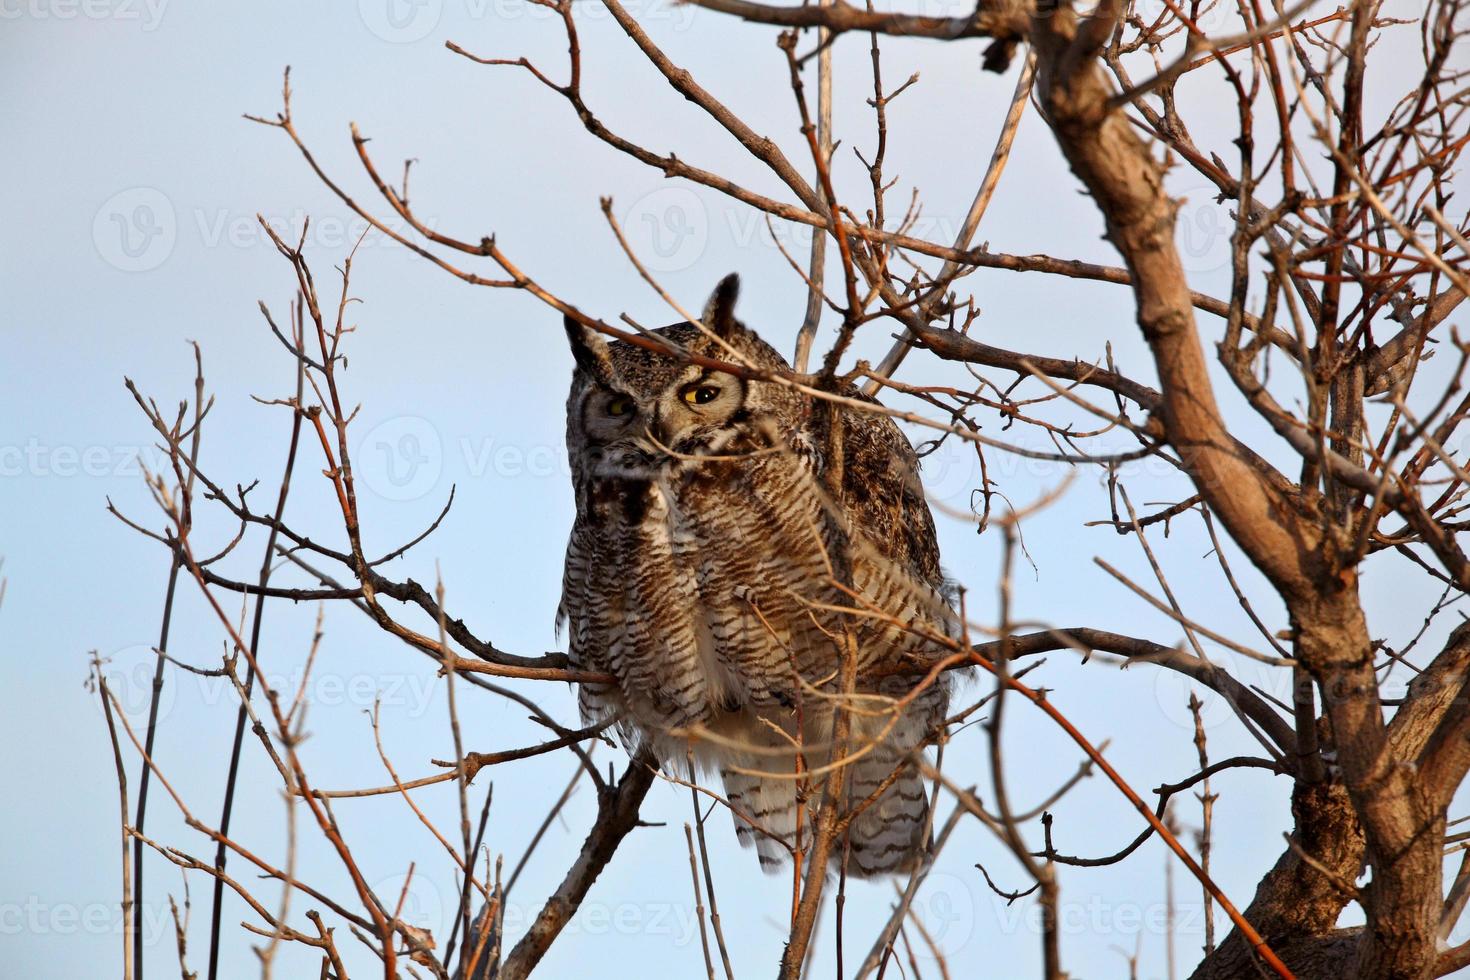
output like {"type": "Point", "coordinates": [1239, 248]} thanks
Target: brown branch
{"type": "Point", "coordinates": [617, 816]}
{"type": "Point", "coordinates": [1000, 19]}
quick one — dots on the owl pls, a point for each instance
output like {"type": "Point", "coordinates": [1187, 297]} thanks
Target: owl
{"type": "Point", "coordinates": [727, 544]}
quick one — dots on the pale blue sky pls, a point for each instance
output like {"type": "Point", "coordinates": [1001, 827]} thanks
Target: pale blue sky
{"type": "Point", "coordinates": [129, 186]}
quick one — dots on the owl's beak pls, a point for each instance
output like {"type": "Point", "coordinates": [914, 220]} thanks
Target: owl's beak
{"type": "Point", "coordinates": [658, 432]}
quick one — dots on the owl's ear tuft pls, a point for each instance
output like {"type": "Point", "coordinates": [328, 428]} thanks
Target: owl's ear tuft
{"type": "Point", "coordinates": [719, 312]}
{"type": "Point", "coordinates": [589, 349]}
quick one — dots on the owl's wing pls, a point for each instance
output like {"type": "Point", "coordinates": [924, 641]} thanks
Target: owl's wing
{"type": "Point", "coordinates": [587, 614]}
{"type": "Point", "coordinates": [884, 497]}
{"type": "Point", "coordinates": [895, 564]}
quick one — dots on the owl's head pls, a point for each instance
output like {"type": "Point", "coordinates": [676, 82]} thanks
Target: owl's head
{"type": "Point", "coordinates": [634, 411]}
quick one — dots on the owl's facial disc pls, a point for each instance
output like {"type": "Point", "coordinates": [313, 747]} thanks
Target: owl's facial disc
{"type": "Point", "coordinates": [699, 403]}
{"type": "Point", "coordinates": [639, 435]}
{"type": "Point", "coordinates": [614, 424]}
{"type": "Point", "coordinates": [691, 416]}
{"type": "Point", "coordinates": [609, 415]}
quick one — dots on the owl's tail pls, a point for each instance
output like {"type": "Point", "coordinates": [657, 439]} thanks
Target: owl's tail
{"type": "Point", "coordinates": [889, 835]}
{"type": "Point", "coordinates": [766, 813]}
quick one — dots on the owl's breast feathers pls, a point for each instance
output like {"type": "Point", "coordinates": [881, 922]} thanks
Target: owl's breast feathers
{"type": "Point", "coordinates": [710, 586]}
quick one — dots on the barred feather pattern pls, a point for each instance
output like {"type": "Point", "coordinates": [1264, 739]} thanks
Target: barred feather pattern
{"type": "Point", "coordinates": [703, 570]}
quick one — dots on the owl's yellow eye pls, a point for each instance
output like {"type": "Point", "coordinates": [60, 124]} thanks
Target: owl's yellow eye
{"type": "Point", "coordinates": [620, 406]}
{"type": "Point", "coordinates": [701, 394]}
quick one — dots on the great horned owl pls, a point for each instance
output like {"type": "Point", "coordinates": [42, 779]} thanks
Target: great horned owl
{"type": "Point", "coordinates": [705, 573]}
